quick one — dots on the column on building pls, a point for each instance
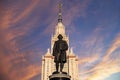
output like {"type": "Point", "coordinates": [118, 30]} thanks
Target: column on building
{"type": "Point", "coordinates": [47, 63]}
{"type": "Point", "coordinates": [73, 65]}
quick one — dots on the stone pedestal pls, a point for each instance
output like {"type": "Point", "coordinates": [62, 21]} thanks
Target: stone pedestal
{"type": "Point", "coordinates": [59, 76]}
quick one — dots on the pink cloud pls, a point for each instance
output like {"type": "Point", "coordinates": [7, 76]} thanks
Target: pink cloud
{"type": "Point", "coordinates": [26, 11]}
{"type": "Point", "coordinates": [10, 57]}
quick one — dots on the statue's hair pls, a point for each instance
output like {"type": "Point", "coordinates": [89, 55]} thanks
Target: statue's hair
{"type": "Point", "coordinates": [60, 36]}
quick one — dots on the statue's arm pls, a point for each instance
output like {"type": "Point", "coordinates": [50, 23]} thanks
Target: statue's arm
{"type": "Point", "coordinates": [65, 46]}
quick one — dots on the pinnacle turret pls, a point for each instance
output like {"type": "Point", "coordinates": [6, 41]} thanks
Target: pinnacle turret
{"type": "Point", "coordinates": [60, 13]}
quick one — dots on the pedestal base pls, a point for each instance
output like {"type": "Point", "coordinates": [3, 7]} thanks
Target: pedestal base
{"type": "Point", "coordinates": [59, 76]}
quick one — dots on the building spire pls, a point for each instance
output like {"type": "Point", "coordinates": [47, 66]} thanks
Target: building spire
{"type": "Point", "coordinates": [60, 12]}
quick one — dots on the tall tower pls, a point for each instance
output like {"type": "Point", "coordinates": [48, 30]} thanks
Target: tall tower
{"type": "Point", "coordinates": [48, 65]}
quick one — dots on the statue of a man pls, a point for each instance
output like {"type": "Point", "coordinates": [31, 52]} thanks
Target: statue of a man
{"type": "Point", "coordinates": [59, 52]}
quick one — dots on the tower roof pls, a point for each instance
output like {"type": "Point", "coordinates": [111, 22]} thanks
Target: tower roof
{"type": "Point", "coordinates": [60, 29]}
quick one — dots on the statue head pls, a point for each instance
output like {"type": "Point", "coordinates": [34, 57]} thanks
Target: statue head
{"type": "Point", "coordinates": [60, 36]}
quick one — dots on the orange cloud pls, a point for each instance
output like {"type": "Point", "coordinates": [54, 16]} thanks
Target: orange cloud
{"type": "Point", "coordinates": [5, 19]}
{"type": "Point", "coordinates": [4, 67]}
{"type": "Point", "coordinates": [104, 70]}
{"type": "Point", "coordinates": [16, 67]}
{"type": "Point", "coordinates": [100, 71]}
{"type": "Point", "coordinates": [33, 70]}
{"type": "Point", "coordinates": [26, 73]}
{"type": "Point", "coordinates": [105, 67]}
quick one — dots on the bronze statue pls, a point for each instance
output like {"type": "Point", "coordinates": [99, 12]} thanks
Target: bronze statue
{"type": "Point", "coordinates": [59, 52]}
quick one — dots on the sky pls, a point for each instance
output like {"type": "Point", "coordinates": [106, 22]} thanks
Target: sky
{"type": "Point", "coordinates": [26, 27]}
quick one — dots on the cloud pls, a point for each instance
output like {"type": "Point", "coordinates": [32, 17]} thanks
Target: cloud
{"type": "Point", "coordinates": [99, 68]}
{"type": "Point", "coordinates": [89, 59]}
{"type": "Point", "coordinates": [99, 71]}
{"type": "Point", "coordinates": [89, 45]}
{"type": "Point", "coordinates": [11, 30]}
{"type": "Point", "coordinates": [19, 66]}
{"type": "Point", "coordinates": [5, 19]}
{"type": "Point", "coordinates": [4, 67]}
{"type": "Point", "coordinates": [26, 12]}
{"type": "Point", "coordinates": [104, 70]}
{"type": "Point", "coordinates": [115, 44]}
{"type": "Point", "coordinates": [96, 67]}
{"type": "Point", "coordinates": [15, 65]}
{"type": "Point", "coordinates": [26, 73]}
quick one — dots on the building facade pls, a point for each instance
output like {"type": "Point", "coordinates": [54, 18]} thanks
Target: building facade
{"type": "Point", "coordinates": [48, 65]}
